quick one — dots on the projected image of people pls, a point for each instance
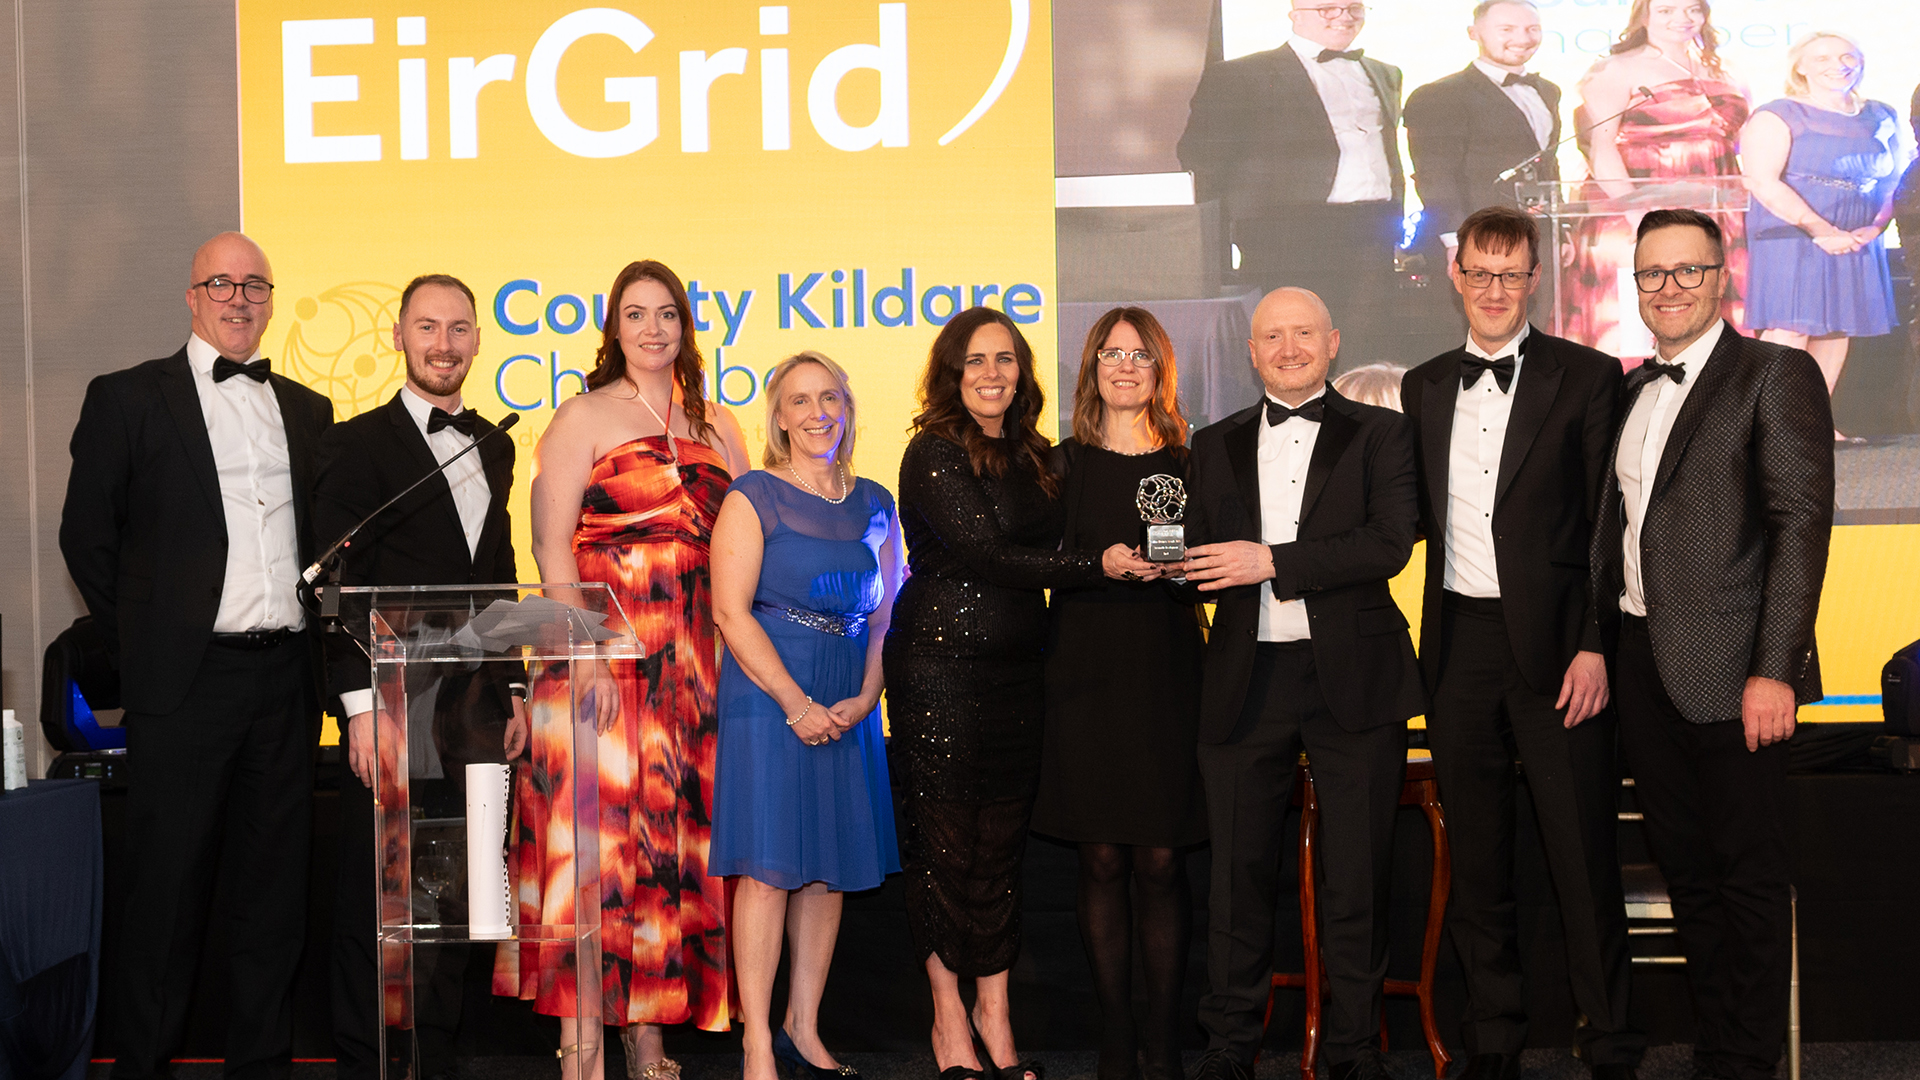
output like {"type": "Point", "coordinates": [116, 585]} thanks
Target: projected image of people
{"type": "Point", "coordinates": [1687, 126]}
{"type": "Point", "coordinates": [1822, 163]}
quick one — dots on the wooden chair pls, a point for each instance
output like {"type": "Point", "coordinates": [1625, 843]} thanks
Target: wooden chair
{"type": "Point", "coordinates": [1420, 789]}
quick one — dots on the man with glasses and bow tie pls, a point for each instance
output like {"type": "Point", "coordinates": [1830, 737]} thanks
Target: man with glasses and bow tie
{"type": "Point", "coordinates": [1512, 432]}
{"type": "Point", "coordinates": [1463, 131]}
{"type": "Point", "coordinates": [1302, 507]}
{"type": "Point", "coordinates": [453, 530]}
{"type": "Point", "coordinates": [1300, 146]}
{"type": "Point", "coordinates": [186, 523]}
{"type": "Point", "coordinates": [1708, 556]}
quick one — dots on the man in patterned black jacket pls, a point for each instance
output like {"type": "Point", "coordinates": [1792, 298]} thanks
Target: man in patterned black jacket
{"type": "Point", "coordinates": [1709, 548]}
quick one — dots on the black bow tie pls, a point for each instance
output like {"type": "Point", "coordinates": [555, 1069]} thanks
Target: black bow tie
{"type": "Point", "coordinates": [224, 369]}
{"type": "Point", "coordinates": [1314, 410]}
{"type": "Point", "coordinates": [1472, 367]}
{"type": "Point", "coordinates": [1652, 369]}
{"type": "Point", "coordinates": [1336, 54]}
{"type": "Point", "coordinates": [1528, 79]}
{"type": "Point", "coordinates": [466, 422]}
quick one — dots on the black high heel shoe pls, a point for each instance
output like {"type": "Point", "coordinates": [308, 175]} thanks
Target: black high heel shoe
{"type": "Point", "coordinates": [789, 1055]}
{"type": "Point", "coordinates": [1019, 1070]}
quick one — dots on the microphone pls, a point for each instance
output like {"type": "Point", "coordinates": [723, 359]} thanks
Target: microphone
{"type": "Point", "coordinates": [1641, 95]}
{"type": "Point", "coordinates": [320, 564]}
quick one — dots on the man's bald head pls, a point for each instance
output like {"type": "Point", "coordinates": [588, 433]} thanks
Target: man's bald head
{"type": "Point", "coordinates": [1293, 343]}
{"type": "Point", "coordinates": [234, 325]}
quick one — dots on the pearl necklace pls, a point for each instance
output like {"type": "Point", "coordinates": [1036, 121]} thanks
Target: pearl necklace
{"type": "Point", "coordinates": [844, 489]}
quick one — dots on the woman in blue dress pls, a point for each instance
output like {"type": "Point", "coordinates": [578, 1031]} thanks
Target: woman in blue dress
{"type": "Point", "coordinates": [1823, 164]}
{"type": "Point", "coordinates": [806, 561]}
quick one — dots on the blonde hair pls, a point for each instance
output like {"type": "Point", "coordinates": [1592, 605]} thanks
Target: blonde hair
{"type": "Point", "coordinates": [1374, 384]}
{"type": "Point", "coordinates": [1797, 83]}
{"type": "Point", "coordinates": [779, 449]}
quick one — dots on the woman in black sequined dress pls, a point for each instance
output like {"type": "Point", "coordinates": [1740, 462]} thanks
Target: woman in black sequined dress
{"type": "Point", "coordinates": [964, 668]}
{"type": "Point", "coordinates": [1119, 774]}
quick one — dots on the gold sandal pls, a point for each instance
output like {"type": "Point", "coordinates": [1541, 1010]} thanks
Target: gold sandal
{"type": "Point", "coordinates": [664, 1069]}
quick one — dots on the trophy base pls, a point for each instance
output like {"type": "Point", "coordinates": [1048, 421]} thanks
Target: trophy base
{"type": "Point", "coordinates": [1165, 543]}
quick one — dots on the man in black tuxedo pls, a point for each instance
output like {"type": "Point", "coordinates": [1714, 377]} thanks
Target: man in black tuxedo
{"type": "Point", "coordinates": [1300, 145]}
{"type": "Point", "coordinates": [1304, 505]}
{"type": "Point", "coordinates": [1513, 431]}
{"type": "Point", "coordinates": [453, 530]}
{"type": "Point", "coordinates": [187, 520]}
{"type": "Point", "coordinates": [1463, 131]}
{"type": "Point", "coordinates": [1709, 551]}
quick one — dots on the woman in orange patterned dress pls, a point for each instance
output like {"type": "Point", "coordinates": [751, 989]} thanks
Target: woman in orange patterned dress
{"type": "Point", "coordinates": [628, 479]}
{"type": "Point", "coordinates": [1688, 127]}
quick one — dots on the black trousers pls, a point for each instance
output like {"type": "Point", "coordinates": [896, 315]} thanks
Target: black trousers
{"type": "Point", "coordinates": [1483, 714]}
{"type": "Point", "coordinates": [1716, 820]}
{"type": "Point", "coordinates": [1344, 253]}
{"type": "Point", "coordinates": [1249, 785]}
{"type": "Point", "coordinates": [356, 990]}
{"type": "Point", "coordinates": [219, 792]}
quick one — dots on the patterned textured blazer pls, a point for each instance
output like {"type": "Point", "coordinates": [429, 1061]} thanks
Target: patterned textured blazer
{"type": "Point", "coordinates": [1734, 546]}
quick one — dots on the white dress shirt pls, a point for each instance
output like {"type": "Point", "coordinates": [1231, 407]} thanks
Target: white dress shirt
{"type": "Point", "coordinates": [1642, 439]}
{"type": "Point", "coordinates": [255, 472]}
{"type": "Point", "coordinates": [1353, 108]}
{"type": "Point", "coordinates": [1284, 453]}
{"type": "Point", "coordinates": [471, 494]}
{"type": "Point", "coordinates": [1526, 98]}
{"type": "Point", "coordinates": [466, 477]}
{"type": "Point", "coordinates": [1480, 414]}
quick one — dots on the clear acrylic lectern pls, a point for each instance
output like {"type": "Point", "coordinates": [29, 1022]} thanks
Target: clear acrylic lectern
{"type": "Point", "coordinates": [447, 664]}
{"type": "Point", "coordinates": [1565, 203]}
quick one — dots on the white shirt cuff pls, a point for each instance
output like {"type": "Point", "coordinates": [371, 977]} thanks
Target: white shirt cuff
{"type": "Point", "coordinates": [355, 702]}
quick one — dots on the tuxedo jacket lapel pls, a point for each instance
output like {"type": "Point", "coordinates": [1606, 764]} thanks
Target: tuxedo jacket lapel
{"type": "Point", "coordinates": [1436, 432]}
{"type": "Point", "coordinates": [183, 404]}
{"type": "Point", "coordinates": [493, 456]}
{"type": "Point", "coordinates": [1243, 450]}
{"type": "Point", "coordinates": [1337, 429]}
{"type": "Point", "coordinates": [436, 489]}
{"type": "Point", "coordinates": [1713, 374]}
{"type": "Point", "coordinates": [1538, 382]}
{"type": "Point", "coordinates": [1292, 84]}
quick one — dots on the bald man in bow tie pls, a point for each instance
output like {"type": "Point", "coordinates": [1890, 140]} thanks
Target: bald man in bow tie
{"type": "Point", "coordinates": [1300, 145]}
{"type": "Point", "coordinates": [186, 523]}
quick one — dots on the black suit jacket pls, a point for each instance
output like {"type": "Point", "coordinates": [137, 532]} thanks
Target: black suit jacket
{"type": "Point", "coordinates": [1551, 467]}
{"type": "Point", "coordinates": [1734, 546]}
{"type": "Point", "coordinates": [1463, 131]}
{"type": "Point", "coordinates": [143, 531]}
{"type": "Point", "coordinates": [1356, 531]}
{"type": "Point", "coordinates": [1258, 138]}
{"type": "Point", "coordinates": [419, 540]}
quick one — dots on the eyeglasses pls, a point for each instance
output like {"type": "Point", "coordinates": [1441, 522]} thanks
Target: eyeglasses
{"type": "Point", "coordinates": [1112, 357]}
{"type": "Point", "coordinates": [1687, 277]}
{"type": "Point", "coordinates": [1512, 279]}
{"type": "Point", "coordinates": [1330, 12]}
{"type": "Point", "coordinates": [220, 290]}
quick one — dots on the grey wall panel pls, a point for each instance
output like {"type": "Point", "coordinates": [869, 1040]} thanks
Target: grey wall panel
{"type": "Point", "coordinates": [131, 145]}
{"type": "Point", "coordinates": [16, 431]}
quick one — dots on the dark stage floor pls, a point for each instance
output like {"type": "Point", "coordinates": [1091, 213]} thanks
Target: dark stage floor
{"type": "Point", "coordinates": [1822, 1061]}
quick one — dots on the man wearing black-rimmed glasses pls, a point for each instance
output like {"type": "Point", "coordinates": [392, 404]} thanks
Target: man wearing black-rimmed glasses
{"type": "Point", "coordinates": [1300, 146]}
{"type": "Point", "coordinates": [1709, 551]}
{"type": "Point", "coordinates": [187, 520]}
{"type": "Point", "coordinates": [1513, 430]}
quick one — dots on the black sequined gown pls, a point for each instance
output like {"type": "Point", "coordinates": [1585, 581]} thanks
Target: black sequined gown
{"type": "Point", "coordinates": [964, 664]}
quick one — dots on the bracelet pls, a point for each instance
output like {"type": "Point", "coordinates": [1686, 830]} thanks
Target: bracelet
{"type": "Point", "coordinates": [803, 712]}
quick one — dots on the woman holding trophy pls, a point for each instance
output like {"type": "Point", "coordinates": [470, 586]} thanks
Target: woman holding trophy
{"type": "Point", "coordinates": [1118, 773]}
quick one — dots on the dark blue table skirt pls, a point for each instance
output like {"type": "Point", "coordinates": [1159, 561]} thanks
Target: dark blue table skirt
{"type": "Point", "coordinates": [51, 900]}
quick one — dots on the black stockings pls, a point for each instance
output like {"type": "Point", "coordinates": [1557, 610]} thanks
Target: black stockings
{"type": "Point", "coordinates": [1158, 910]}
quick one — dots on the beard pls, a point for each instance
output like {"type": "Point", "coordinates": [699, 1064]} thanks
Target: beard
{"type": "Point", "coordinates": [433, 380]}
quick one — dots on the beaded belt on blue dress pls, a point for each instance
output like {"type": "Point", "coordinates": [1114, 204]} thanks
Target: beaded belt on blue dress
{"type": "Point", "coordinates": [841, 625]}
{"type": "Point", "coordinates": [1862, 187]}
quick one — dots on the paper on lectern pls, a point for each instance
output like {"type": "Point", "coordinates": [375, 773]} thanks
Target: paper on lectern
{"type": "Point", "coordinates": [488, 900]}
